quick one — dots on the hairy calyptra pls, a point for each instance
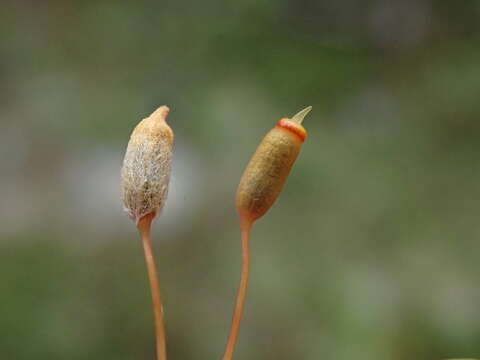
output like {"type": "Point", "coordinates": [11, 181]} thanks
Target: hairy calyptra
{"type": "Point", "coordinates": [147, 164]}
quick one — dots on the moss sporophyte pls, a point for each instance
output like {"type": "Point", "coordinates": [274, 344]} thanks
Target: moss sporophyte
{"type": "Point", "coordinates": [145, 178]}
{"type": "Point", "coordinates": [260, 185]}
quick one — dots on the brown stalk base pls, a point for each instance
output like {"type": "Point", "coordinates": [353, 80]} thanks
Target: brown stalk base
{"type": "Point", "coordinates": [144, 226]}
{"type": "Point", "coordinates": [245, 227]}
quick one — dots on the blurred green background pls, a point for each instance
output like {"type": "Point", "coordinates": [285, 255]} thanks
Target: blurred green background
{"type": "Point", "coordinates": [372, 250]}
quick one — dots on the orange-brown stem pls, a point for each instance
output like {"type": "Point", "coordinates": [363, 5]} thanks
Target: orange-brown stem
{"type": "Point", "coordinates": [245, 227]}
{"type": "Point", "coordinates": [144, 226]}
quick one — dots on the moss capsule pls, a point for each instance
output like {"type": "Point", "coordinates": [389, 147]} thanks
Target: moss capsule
{"type": "Point", "coordinates": [270, 165]}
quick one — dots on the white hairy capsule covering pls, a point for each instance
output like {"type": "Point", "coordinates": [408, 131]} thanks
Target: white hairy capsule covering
{"type": "Point", "coordinates": [147, 165]}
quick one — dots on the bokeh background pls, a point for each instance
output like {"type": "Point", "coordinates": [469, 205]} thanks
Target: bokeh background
{"type": "Point", "coordinates": [370, 253]}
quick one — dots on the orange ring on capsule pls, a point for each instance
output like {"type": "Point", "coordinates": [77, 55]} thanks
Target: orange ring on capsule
{"type": "Point", "coordinates": [293, 127]}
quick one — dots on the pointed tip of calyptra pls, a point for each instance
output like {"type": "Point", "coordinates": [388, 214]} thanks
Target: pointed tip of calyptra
{"type": "Point", "coordinates": [161, 113]}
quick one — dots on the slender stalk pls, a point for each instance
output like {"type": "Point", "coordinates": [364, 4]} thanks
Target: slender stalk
{"type": "Point", "coordinates": [144, 226]}
{"type": "Point", "coordinates": [245, 227]}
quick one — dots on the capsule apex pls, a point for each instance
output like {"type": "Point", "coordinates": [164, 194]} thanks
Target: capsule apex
{"type": "Point", "coordinates": [298, 117]}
